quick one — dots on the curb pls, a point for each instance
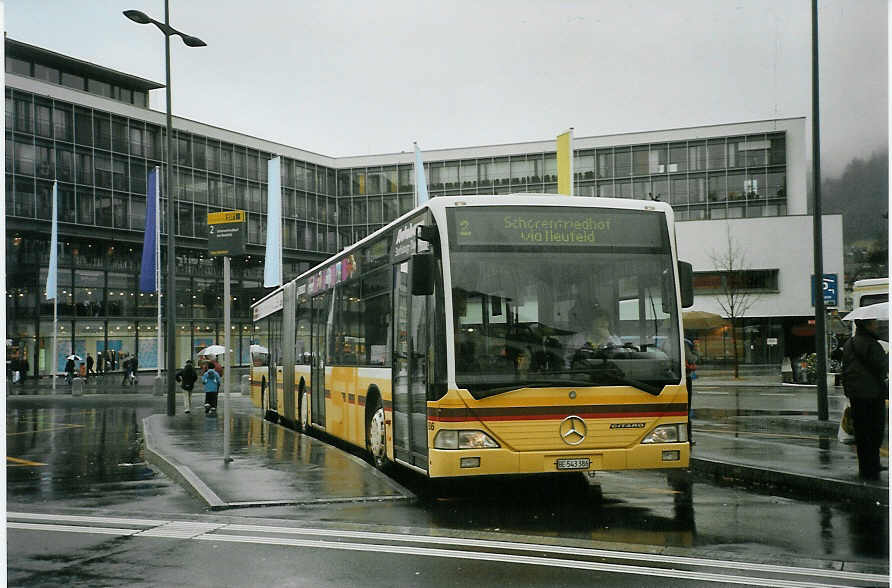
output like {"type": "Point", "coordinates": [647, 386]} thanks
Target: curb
{"type": "Point", "coordinates": [178, 472]}
{"type": "Point", "coordinates": [801, 484]}
{"type": "Point", "coordinates": [194, 485]}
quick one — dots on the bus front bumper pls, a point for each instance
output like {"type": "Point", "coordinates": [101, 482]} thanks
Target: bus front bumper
{"type": "Point", "coordinates": [482, 462]}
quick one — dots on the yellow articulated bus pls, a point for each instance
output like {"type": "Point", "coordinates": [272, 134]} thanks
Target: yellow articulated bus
{"type": "Point", "coordinates": [516, 334]}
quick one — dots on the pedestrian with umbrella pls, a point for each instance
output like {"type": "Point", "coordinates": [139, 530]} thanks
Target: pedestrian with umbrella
{"type": "Point", "coordinates": [865, 381]}
{"type": "Point", "coordinates": [211, 381]}
{"type": "Point", "coordinates": [70, 367]}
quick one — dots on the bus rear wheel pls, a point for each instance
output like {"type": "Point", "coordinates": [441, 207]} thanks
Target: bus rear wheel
{"type": "Point", "coordinates": [374, 436]}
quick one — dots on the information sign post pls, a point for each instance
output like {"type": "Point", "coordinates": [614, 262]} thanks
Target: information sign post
{"type": "Point", "coordinates": [226, 237]}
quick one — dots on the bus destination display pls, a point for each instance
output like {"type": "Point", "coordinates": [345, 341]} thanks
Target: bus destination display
{"type": "Point", "coordinates": [580, 227]}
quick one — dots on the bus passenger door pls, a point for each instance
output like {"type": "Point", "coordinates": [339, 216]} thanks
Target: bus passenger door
{"type": "Point", "coordinates": [272, 378]}
{"type": "Point", "coordinates": [286, 358]}
{"type": "Point", "coordinates": [409, 372]}
{"type": "Point", "coordinates": [319, 327]}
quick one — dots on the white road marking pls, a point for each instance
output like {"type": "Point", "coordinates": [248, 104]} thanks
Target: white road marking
{"type": "Point", "coordinates": [181, 530]}
{"type": "Point", "coordinates": [388, 543]}
{"type": "Point", "coordinates": [84, 519]}
{"type": "Point", "coordinates": [706, 393]}
{"type": "Point", "coordinates": [517, 559]}
{"type": "Point", "coordinates": [776, 394]}
{"type": "Point", "coordinates": [557, 549]}
{"type": "Point", "coordinates": [72, 529]}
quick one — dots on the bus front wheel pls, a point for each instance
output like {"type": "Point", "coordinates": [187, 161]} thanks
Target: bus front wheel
{"type": "Point", "coordinates": [374, 436]}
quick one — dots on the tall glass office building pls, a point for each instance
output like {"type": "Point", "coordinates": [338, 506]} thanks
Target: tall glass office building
{"type": "Point", "coordinates": [89, 128]}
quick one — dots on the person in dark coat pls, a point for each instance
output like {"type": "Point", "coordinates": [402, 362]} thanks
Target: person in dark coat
{"type": "Point", "coordinates": [127, 371]}
{"type": "Point", "coordinates": [865, 382]}
{"type": "Point", "coordinates": [187, 377]}
{"type": "Point", "coordinates": [89, 367]}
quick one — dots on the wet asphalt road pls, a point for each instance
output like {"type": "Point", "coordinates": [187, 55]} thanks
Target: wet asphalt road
{"type": "Point", "coordinates": [87, 460]}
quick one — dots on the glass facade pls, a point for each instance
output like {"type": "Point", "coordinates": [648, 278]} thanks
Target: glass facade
{"type": "Point", "coordinates": [101, 160]}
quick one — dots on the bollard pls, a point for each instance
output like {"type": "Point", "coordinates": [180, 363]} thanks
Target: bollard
{"type": "Point", "coordinates": [77, 387]}
{"type": "Point", "coordinates": [159, 387]}
{"type": "Point", "coordinates": [246, 385]}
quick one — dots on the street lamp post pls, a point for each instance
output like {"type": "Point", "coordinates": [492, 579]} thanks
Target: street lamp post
{"type": "Point", "coordinates": [190, 41]}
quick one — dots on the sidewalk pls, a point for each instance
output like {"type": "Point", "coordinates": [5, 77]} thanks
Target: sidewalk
{"type": "Point", "coordinates": [270, 465]}
{"type": "Point", "coordinates": [788, 451]}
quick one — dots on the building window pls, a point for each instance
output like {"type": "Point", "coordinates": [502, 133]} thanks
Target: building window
{"type": "Point", "coordinates": [678, 158]}
{"type": "Point", "coordinates": [102, 131]}
{"type": "Point", "coordinates": [24, 115]}
{"type": "Point", "coordinates": [622, 163]}
{"type": "Point", "coordinates": [24, 158]}
{"type": "Point", "coordinates": [62, 123]}
{"type": "Point", "coordinates": [64, 164]}
{"type": "Point", "coordinates": [72, 81]}
{"type": "Point", "coordinates": [18, 66]}
{"type": "Point", "coordinates": [83, 127]}
{"type": "Point", "coordinates": [716, 153]}
{"type": "Point", "coordinates": [697, 156]}
{"type": "Point", "coordinates": [658, 159]}
{"type": "Point", "coordinates": [44, 121]}
{"type": "Point", "coordinates": [777, 151]}
{"type": "Point", "coordinates": [99, 88]}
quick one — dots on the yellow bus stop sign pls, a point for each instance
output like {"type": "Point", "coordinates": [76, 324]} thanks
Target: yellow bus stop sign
{"type": "Point", "coordinates": [226, 233]}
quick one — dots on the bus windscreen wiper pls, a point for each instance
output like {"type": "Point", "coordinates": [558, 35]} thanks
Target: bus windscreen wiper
{"type": "Point", "coordinates": [611, 371]}
{"type": "Point", "coordinates": [484, 391]}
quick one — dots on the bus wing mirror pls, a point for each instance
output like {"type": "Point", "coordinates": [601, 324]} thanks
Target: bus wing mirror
{"type": "Point", "coordinates": [686, 283]}
{"type": "Point", "coordinates": [429, 234]}
{"type": "Point", "coordinates": [421, 267]}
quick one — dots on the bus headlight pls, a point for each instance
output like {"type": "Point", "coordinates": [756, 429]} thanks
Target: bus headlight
{"type": "Point", "coordinates": [447, 439]}
{"type": "Point", "coordinates": [667, 434]}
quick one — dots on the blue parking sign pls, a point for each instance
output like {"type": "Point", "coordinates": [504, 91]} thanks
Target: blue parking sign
{"type": "Point", "coordinates": [830, 287]}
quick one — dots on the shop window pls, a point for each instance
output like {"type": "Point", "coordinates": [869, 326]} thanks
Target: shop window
{"type": "Point", "coordinates": [717, 282]}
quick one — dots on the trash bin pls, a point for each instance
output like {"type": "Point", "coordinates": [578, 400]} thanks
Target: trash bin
{"type": "Point", "coordinates": [77, 387]}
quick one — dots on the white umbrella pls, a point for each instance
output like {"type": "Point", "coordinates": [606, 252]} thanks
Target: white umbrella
{"type": "Point", "coordinates": [213, 350]}
{"type": "Point", "coordinates": [259, 349]}
{"type": "Point", "coordinates": [879, 311]}
{"type": "Point", "coordinates": [74, 357]}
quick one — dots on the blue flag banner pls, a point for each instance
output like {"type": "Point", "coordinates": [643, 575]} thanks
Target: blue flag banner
{"type": "Point", "coordinates": [52, 273]}
{"type": "Point", "coordinates": [272, 264]}
{"type": "Point", "coordinates": [420, 182]}
{"type": "Point", "coordinates": [148, 271]}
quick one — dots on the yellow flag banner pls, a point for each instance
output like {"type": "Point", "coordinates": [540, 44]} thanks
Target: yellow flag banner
{"type": "Point", "coordinates": [564, 163]}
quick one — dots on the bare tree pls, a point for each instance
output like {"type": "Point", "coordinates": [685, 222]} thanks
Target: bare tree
{"type": "Point", "coordinates": [735, 296]}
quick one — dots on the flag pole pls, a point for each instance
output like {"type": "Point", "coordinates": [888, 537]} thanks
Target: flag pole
{"type": "Point", "coordinates": [158, 261]}
{"type": "Point", "coordinates": [572, 174]}
{"type": "Point", "coordinates": [52, 283]}
{"type": "Point", "coordinates": [55, 340]}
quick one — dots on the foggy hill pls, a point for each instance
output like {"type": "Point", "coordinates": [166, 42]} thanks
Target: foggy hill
{"type": "Point", "coordinates": [861, 195]}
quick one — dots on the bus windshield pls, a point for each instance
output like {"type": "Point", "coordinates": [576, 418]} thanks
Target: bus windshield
{"type": "Point", "coordinates": [559, 297]}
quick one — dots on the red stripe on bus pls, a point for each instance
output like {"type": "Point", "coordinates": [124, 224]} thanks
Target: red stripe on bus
{"type": "Point", "coordinates": [553, 417]}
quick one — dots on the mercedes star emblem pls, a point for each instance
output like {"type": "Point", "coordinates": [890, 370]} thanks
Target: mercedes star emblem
{"type": "Point", "coordinates": [573, 430]}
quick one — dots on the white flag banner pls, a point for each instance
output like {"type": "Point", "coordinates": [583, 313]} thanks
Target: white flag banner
{"type": "Point", "coordinates": [272, 265]}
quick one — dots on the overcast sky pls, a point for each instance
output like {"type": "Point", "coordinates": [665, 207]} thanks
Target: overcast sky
{"type": "Point", "coordinates": [359, 77]}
